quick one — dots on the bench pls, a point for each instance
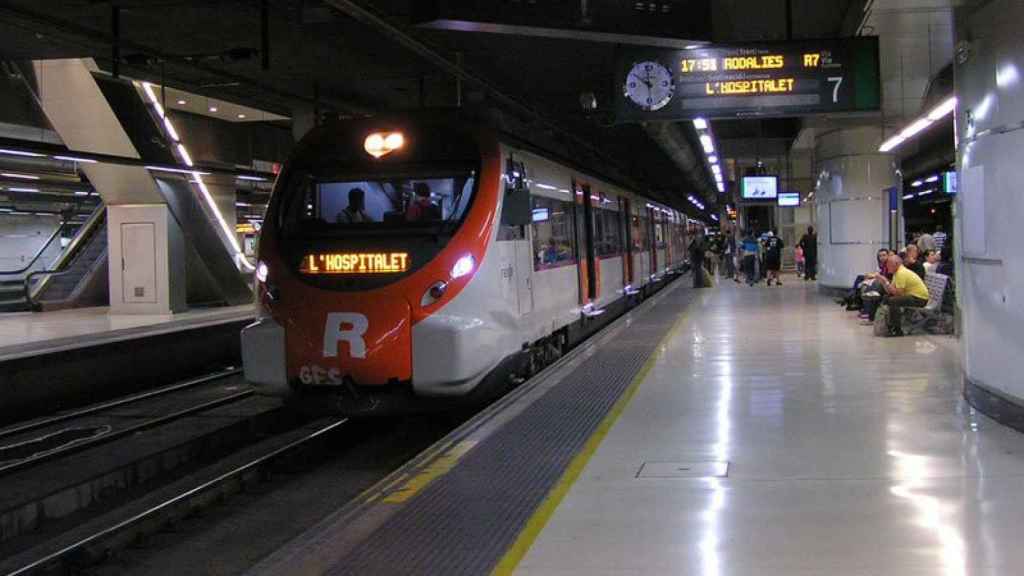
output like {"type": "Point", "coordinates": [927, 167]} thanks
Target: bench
{"type": "Point", "coordinates": [931, 314]}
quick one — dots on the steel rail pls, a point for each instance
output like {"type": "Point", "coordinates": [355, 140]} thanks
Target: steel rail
{"type": "Point", "coordinates": [114, 435]}
{"type": "Point", "coordinates": [51, 420]}
{"type": "Point", "coordinates": [152, 512]}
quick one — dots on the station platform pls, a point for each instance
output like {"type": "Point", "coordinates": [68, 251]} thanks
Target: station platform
{"type": "Point", "coordinates": [32, 333]}
{"type": "Point", "coordinates": [51, 361]}
{"type": "Point", "coordinates": [727, 431]}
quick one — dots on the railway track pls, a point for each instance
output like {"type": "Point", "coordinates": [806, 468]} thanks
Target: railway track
{"type": "Point", "coordinates": [65, 471]}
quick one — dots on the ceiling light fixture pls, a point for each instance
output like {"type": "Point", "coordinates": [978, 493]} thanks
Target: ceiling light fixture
{"type": "Point", "coordinates": [182, 102]}
{"type": "Point", "coordinates": [20, 153]}
{"type": "Point", "coordinates": [20, 176]}
{"type": "Point", "coordinates": [917, 126]}
{"type": "Point", "coordinates": [212, 108]}
{"type": "Point", "coordinates": [75, 159]}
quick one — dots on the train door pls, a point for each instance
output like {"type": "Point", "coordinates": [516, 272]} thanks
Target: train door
{"type": "Point", "coordinates": [583, 220]}
{"type": "Point", "coordinates": [626, 218]}
{"type": "Point", "coordinates": [520, 271]}
{"type": "Point", "coordinates": [652, 227]}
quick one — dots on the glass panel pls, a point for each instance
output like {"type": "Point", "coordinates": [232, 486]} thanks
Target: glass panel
{"type": "Point", "coordinates": [552, 233]}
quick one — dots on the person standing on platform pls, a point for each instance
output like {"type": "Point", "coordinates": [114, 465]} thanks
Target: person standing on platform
{"type": "Point", "coordinates": [940, 238]}
{"type": "Point", "coordinates": [926, 242]}
{"type": "Point", "coordinates": [729, 254]}
{"type": "Point", "coordinates": [809, 243]}
{"type": "Point", "coordinates": [773, 257]}
{"type": "Point", "coordinates": [750, 248]}
{"type": "Point", "coordinates": [798, 256]}
{"type": "Point", "coordinates": [697, 249]}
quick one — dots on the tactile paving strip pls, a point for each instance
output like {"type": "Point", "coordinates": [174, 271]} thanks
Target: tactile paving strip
{"type": "Point", "coordinates": [465, 521]}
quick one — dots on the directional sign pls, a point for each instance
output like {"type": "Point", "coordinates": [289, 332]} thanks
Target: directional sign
{"type": "Point", "coordinates": [779, 79]}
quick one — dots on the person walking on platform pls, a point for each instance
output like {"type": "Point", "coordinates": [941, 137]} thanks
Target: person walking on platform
{"type": "Point", "coordinates": [809, 243]}
{"type": "Point", "coordinates": [729, 255]}
{"type": "Point", "coordinates": [697, 249]}
{"type": "Point", "coordinates": [906, 289]}
{"type": "Point", "coordinates": [750, 249]}
{"type": "Point", "coordinates": [773, 257]}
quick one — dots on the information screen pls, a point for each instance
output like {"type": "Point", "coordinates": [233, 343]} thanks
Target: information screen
{"type": "Point", "coordinates": [787, 199]}
{"type": "Point", "coordinates": [778, 79]}
{"type": "Point", "coordinates": [759, 187]}
{"type": "Point", "coordinates": [355, 263]}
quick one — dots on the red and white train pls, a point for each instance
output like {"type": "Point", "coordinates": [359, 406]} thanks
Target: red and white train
{"type": "Point", "coordinates": [408, 259]}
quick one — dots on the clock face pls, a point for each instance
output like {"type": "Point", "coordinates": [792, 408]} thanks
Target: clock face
{"type": "Point", "coordinates": [649, 85]}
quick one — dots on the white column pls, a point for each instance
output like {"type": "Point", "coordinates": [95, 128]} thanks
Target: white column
{"type": "Point", "coordinates": [852, 206]}
{"type": "Point", "coordinates": [990, 264]}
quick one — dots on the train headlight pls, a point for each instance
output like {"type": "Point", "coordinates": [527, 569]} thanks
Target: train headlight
{"type": "Point", "coordinates": [463, 266]}
{"type": "Point", "coordinates": [261, 272]}
{"type": "Point", "coordinates": [379, 143]}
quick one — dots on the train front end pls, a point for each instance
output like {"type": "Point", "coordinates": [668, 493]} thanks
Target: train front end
{"type": "Point", "coordinates": [372, 228]}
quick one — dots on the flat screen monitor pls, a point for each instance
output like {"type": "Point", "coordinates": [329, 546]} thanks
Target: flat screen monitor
{"type": "Point", "coordinates": [789, 199]}
{"type": "Point", "coordinates": [949, 183]}
{"type": "Point", "coordinates": [760, 187]}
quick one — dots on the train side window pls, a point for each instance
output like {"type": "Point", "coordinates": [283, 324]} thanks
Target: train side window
{"type": "Point", "coordinates": [553, 233]}
{"type": "Point", "coordinates": [640, 236]}
{"type": "Point", "coordinates": [607, 233]}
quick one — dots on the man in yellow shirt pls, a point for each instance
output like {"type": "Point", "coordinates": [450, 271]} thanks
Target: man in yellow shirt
{"type": "Point", "coordinates": [905, 289]}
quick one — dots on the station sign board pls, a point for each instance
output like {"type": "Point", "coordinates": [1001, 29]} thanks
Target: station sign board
{"type": "Point", "coordinates": [754, 80]}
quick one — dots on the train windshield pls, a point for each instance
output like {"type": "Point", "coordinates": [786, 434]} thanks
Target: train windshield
{"type": "Point", "coordinates": [410, 203]}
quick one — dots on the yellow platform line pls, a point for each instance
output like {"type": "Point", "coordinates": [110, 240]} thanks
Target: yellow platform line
{"type": "Point", "coordinates": [546, 510]}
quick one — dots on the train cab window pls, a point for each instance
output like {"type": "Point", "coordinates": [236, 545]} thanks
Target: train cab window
{"type": "Point", "coordinates": [338, 204]}
{"type": "Point", "coordinates": [553, 233]}
{"type": "Point", "coordinates": [607, 233]}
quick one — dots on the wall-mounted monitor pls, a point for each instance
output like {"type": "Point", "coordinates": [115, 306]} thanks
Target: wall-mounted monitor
{"type": "Point", "coordinates": [789, 199]}
{"type": "Point", "coordinates": [760, 187]}
{"type": "Point", "coordinates": [949, 182]}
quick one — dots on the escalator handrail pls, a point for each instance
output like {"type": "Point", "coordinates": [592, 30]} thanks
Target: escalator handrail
{"type": "Point", "coordinates": [39, 254]}
{"type": "Point", "coordinates": [65, 258]}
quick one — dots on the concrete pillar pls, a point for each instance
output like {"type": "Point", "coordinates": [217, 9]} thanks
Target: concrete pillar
{"type": "Point", "coordinates": [989, 205]}
{"type": "Point", "coordinates": [851, 203]}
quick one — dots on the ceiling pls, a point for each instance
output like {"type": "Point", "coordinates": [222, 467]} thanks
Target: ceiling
{"type": "Point", "coordinates": [320, 57]}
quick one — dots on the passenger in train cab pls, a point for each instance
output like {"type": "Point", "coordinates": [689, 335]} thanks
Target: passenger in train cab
{"type": "Point", "coordinates": [355, 212]}
{"type": "Point", "coordinates": [809, 242]}
{"type": "Point", "coordinates": [906, 289]}
{"type": "Point", "coordinates": [913, 261]}
{"type": "Point", "coordinates": [422, 208]}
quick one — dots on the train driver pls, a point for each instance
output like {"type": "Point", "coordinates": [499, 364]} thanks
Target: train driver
{"type": "Point", "coordinates": [355, 212]}
{"type": "Point", "coordinates": [422, 208]}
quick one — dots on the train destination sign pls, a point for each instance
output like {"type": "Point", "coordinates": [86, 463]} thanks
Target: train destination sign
{"type": "Point", "coordinates": [778, 79]}
{"type": "Point", "coordinates": [355, 263]}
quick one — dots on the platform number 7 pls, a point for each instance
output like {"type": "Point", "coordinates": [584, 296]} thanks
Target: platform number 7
{"type": "Point", "coordinates": [835, 89]}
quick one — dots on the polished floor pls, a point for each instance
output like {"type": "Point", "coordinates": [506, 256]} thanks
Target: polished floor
{"type": "Point", "coordinates": [846, 454]}
{"type": "Point", "coordinates": [29, 333]}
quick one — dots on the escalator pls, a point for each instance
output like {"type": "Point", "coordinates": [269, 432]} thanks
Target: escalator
{"type": "Point", "coordinates": [74, 277]}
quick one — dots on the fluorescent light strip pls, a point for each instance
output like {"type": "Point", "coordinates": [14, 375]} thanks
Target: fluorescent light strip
{"type": "Point", "coordinates": [915, 127]}
{"type": "Point", "coordinates": [183, 152]}
{"type": "Point", "coordinates": [700, 124]}
{"type": "Point", "coordinates": [14, 189]}
{"type": "Point", "coordinates": [75, 159]}
{"type": "Point", "coordinates": [705, 141]}
{"type": "Point", "coordinates": [908, 196]}
{"type": "Point", "coordinates": [20, 153]}
{"type": "Point", "coordinates": [176, 170]}
{"type": "Point", "coordinates": [21, 176]}
{"type": "Point", "coordinates": [261, 179]}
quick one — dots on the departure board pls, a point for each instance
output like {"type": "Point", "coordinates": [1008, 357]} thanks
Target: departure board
{"type": "Point", "coordinates": [778, 79]}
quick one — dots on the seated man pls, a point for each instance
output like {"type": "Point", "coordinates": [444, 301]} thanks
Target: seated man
{"type": "Point", "coordinates": [422, 208]}
{"type": "Point", "coordinates": [905, 289]}
{"type": "Point", "coordinates": [355, 212]}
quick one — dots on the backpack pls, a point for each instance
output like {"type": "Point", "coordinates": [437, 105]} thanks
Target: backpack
{"type": "Point", "coordinates": [882, 321]}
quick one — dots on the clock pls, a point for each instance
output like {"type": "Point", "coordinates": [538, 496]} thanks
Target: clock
{"type": "Point", "coordinates": [649, 85]}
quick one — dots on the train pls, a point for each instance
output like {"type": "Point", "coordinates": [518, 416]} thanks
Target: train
{"type": "Point", "coordinates": [413, 261]}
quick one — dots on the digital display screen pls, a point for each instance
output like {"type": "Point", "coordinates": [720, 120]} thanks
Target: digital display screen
{"type": "Point", "coordinates": [759, 187]}
{"type": "Point", "coordinates": [789, 199]}
{"type": "Point", "coordinates": [355, 263]}
{"type": "Point", "coordinates": [949, 183]}
{"type": "Point", "coordinates": [776, 79]}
